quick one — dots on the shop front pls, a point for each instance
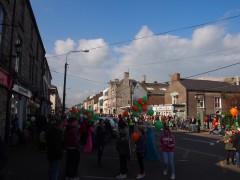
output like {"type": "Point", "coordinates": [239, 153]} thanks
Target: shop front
{"type": "Point", "coordinates": [5, 85]}
{"type": "Point", "coordinates": [19, 101]}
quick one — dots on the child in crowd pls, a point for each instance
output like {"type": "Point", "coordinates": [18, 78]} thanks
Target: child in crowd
{"type": "Point", "coordinates": [167, 143]}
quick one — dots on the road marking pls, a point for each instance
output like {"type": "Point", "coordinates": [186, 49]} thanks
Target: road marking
{"type": "Point", "coordinates": [188, 139]}
{"type": "Point", "coordinates": [213, 155]}
{"type": "Point", "coordinates": [98, 177]}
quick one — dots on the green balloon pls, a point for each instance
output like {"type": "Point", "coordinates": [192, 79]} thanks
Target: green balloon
{"type": "Point", "coordinates": [158, 125]}
{"type": "Point", "coordinates": [150, 112]}
{"type": "Point", "coordinates": [135, 103]}
{"type": "Point", "coordinates": [135, 114]}
{"type": "Point", "coordinates": [144, 99]}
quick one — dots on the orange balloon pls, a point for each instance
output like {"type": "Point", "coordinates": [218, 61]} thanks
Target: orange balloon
{"type": "Point", "coordinates": [234, 111]}
{"type": "Point", "coordinates": [140, 101]}
{"type": "Point", "coordinates": [144, 108]}
{"type": "Point", "coordinates": [134, 108]}
{"type": "Point", "coordinates": [216, 123]}
{"type": "Point", "coordinates": [135, 136]}
{"type": "Point", "coordinates": [74, 110]}
{"type": "Point", "coordinates": [125, 113]}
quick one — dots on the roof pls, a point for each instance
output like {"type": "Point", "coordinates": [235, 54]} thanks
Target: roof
{"type": "Point", "coordinates": [154, 88]}
{"type": "Point", "coordinates": [210, 86]}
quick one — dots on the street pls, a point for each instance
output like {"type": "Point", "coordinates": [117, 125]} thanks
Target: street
{"type": "Point", "coordinates": [195, 159]}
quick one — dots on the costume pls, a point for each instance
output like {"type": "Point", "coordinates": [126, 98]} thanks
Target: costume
{"type": "Point", "coordinates": [88, 146]}
{"type": "Point", "coordinates": [151, 153]}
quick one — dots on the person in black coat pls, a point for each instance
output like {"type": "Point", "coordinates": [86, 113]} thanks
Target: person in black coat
{"type": "Point", "coordinates": [100, 137]}
{"type": "Point", "coordinates": [54, 140]}
{"type": "Point", "coordinates": [3, 157]}
{"type": "Point", "coordinates": [122, 146]}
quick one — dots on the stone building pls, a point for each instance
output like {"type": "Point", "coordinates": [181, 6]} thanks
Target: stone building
{"type": "Point", "coordinates": [23, 66]}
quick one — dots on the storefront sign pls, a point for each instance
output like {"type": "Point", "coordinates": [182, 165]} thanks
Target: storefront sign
{"type": "Point", "coordinates": [5, 80]}
{"type": "Point", "coordinates": [22, 90]}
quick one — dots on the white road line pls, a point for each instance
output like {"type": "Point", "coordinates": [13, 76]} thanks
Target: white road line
{"type": "Point", "coordinates": [213, 155]}
{"type": "Point", "coordinates": [98, 177]}
{"type": "Point", "coordinates": [188, 139]}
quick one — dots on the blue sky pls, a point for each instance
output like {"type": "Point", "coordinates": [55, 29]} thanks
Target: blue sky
{"type": "Point", "coordinates": [95, 25]}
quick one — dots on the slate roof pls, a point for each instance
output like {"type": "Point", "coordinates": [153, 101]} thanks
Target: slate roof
{"type": "Point", "coordinates": [210, 86]}
{"type": "Point", "coordinates": [155, 88]}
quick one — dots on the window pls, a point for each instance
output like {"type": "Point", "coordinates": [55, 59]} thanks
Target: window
{"type": "Point", "coordinates": [200, 103]}
{"type": "Point", "coordinates": [174, 99]}
{"type": "Point", "coordinates": [217, 102]}
{"type": "Point", "coordinates": [150, 88]}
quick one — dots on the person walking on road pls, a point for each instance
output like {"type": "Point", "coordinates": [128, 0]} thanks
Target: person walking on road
{"type": "Point", "coordinates": [72, 144]}
{"type": "Point", "coordinates": [228, 140]}
{"type": "Point", "coordinates": [122, 146]}
{"type": "Point", "coordinates": [140, 152]}
{"type": "Point", "coordinates": [236, 146]}
{"type": "Point", "coordinates": [100, 136]}
{"type": "Point", "coordinates": [88, 146]}
{"type": "Point", "coordinates": [54, 142]}
{"type": "Point", "coordinates": [167, 143]}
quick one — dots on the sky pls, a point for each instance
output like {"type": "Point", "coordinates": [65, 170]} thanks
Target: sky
{"type": "Point", "coordinates": [155, 38]}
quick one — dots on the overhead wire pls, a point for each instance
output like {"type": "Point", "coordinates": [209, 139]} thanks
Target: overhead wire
{"type": "Point", "coordinates": [157, 34]}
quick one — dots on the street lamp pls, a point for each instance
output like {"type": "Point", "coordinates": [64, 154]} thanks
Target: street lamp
{"type": "Point", "coordinates": [65, 76]}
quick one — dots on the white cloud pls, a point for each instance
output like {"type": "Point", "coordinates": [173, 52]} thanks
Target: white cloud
{"type": "Point", "coordinates": [156, 56]}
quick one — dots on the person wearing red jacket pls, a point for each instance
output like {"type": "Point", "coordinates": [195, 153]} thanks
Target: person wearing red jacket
{"type": "Point", "coordinates": [167, 143]}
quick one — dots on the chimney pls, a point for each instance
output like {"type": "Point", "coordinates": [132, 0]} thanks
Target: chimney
{"type": "Point", "coordinates": [175, 77]}
{"type": "Point", "coordinates": [143, 79]}
{"type": "Point", "coordinates": [155, 82]}
{"type": "Point", "coordinates": [237, 80]}
{"type": "Point", "coordinates": [126, 74]}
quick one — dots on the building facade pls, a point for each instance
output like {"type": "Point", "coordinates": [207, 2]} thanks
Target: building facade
{"type": "Point", "coordinates": [23, 66]}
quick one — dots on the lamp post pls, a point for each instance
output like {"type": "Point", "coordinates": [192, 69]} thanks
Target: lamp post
{"type": "Point", "coordinates": [65, 76]}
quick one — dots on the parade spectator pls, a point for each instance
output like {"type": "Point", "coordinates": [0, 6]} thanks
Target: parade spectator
{"type": "Point", "coordinates": [122, 146]}
{"type": "Point", "coordinates": [100, 137]}
{"type": "Point", "coordinates": [42, 140]}
{"type": "Point", "coordinates": [83, 131]}
{"type": "Point", "coordinates": [236, 146]}
{"type": "Point", "coordinates": [3, 158]}
{"type": "Point", "coordinates": [121, 124]}
{"type": "Point", "coordinates": [54, 148]}
{"type": "Point", "coordinates": [109, 131]}
{"type": "Point", "coordinates": [131, 125]}
{"type": "Point", "coordinates": [140, 152]}
{"type": "Point", "coordinates": [89, 144]}
{"type": "Point", "coordinates": [228, 140]}
{"type": "Point", "coordinates": [151, 151]}
{"type": "Point", "coordinates": [72, 145]}
{"type": "Point", "coordinates": [167, 143]}
{"type": "Point", "coordinates": [193, 125]}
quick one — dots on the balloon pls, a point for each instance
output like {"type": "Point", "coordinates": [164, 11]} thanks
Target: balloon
{"type": "Point", "coordinates": [205, 119]}
{"type": "Point", "coordinates": [135, 103]}
{"type": "Point", "coordinates": [139, 109]}
{"type": "Point", "coordinates": [135, 136]}
{"type": "Point", "coordinates": [135, 114]}
{"type": "Point", "coordinates": [74, 110]}
{"type": "Point", "coordinates": [134, 108]}
{"type": "Point", "coordinates": [89, 116]}
{"type": "Point", "coordinates": [150, 112]}
{"type": "Point", "coordinates": [85, 112]}
{"type": "Point", "coordinates": [125, 113]}
{"type": "Point", "coordinates": [144, 99]}
{"type": "Point", "coordinates": [144, 108]}
{"type": "Point", "coordinates": [177, 118]}
{"type": "Point", "coordinates": [146, 103]}
{"type": "Point", "coordinates": [37, 105]}
{"type": "Point", "coordinates": [158, 125]}
{"type": "Point", "coordinates": [140, 101]}
{"type": "Point", "coordinates": [234, 111]}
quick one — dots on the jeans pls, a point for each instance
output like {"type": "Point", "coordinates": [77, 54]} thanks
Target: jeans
{"type": "Point", "coordinates": [193, 128]}
{"type": "Point", "coordinates": [238, 158]}
{"type": "Point", "coordinates": [53, 169]}
{"type": "Point", "coordinates": [168, 159]}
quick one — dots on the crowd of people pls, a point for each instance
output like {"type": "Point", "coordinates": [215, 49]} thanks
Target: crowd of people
{"type": "Point", "coordinates": [57, 134]}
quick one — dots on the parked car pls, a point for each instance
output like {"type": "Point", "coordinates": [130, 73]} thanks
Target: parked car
{"type": "Point", "coordinates": [114, 123]}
